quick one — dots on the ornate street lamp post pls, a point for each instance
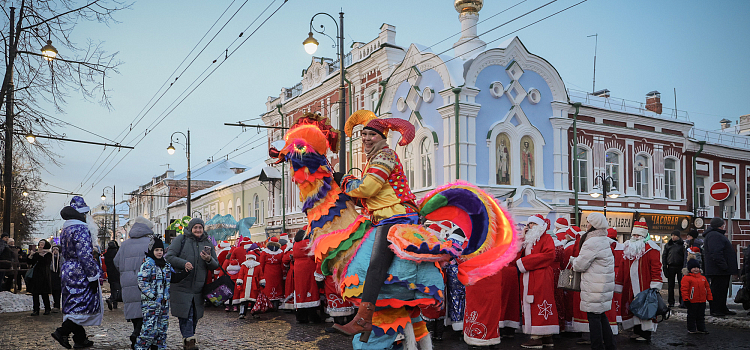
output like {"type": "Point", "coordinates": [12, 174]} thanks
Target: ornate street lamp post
{"type": "Point", "coordinates": [171, 149]}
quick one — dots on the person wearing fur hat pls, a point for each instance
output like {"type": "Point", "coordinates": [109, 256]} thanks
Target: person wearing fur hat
{"type": "Point", "coordinates": [128, 262]}
{"type": "Point", "coordinates": [154, 278]}
{"type": "Point", "coordinates": [247, 281]}
{"type": "Point", "coordinates": [387, 199]}
{"type": "Point", "coordinates": [695, 292]}
{"type": "Point", "coordinates": [271, 271]}
{"type": "Point", "coordinates": [80, 273]}
{"type": "Point", "coordinates": [641, 270]}
{"type": "Point", "coordinates": [193, 252]}
{"type": "Point", "coordinates": [538, 296]}
{"type": "Point", "coordinates": [596, 263]}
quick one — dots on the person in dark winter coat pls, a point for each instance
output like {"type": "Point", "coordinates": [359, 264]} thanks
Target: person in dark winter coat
{"type": "Point", "coordinates": [113, 275]}
{"type": "Point", "coordinates": [672, 261]}
{"type": "Point", "coordinates": [128, 262]}
{"type": "Point", "coordinates": [721, 263]}
{"type": "Point", "coordinates": [693, 241]}
{"type": "Point", "coordinates": [55, 267]}
{"type": "Point", "coordinates": [193, 252]}
{"type": "Point", "coordinates": [41, 284]}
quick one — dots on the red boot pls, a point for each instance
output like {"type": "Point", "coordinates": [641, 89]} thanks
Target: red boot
{"type": "Point", "coordinates": [362, 323]}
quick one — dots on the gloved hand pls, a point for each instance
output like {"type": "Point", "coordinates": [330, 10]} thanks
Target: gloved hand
{"type": "Point", "coordinates": [239, 282]}
{"type": "Point", "coordinates": [262, 282]}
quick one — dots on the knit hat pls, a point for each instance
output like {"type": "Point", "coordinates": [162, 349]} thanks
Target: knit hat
{"type": "Point", "coordinates": [598, 221]}
{"type": "Point", "coordinates": [561, 223]}
{"type": "Point", "coordinates": [640, 228]}
{"type": "Point", "coordinates": [155, 243]}
{"type": "Point", "coordinates": [612, 233]}
{"type": "Point", "coordinates": [717, 222]}
{"type": "Point", "coordinates": [79, 205]}
{"type": "Point", "coordinates": [195, 221]}
{"type": "Point", "coordinates": [693, 263]}
{"type": "Point", "coordinates": [380, 125]}
{"type": "Point", "coordinates": [539, 220]}
{"type": "Point", "coordinates": [274, 239]}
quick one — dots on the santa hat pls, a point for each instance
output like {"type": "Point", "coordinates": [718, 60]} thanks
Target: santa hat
{"type": "Point", "coordinates": [695, 249]}
{"type": "Point", "coordinates": [223, 245]}
{"type": "Point", "coordinates": [539, 220]}
{"type": "Point", "coordinates": [274, 239]}
{"type": "Point", "coordinates": [640, 228]}
{"type": "Point", "coordinates": [561, 223]}
{"type": "Point", "coordinates": [612, 233]}
{"type": "Point", "coordinates": [573, 232]}
{"type": "Point", "coordinates": [381, 126]}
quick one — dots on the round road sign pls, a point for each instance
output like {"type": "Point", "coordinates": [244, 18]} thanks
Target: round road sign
{"type": "Point", "coordinates": [719, 191]}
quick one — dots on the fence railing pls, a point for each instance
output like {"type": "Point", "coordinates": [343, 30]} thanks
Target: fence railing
{"type": "Point", "coordinates": [718, 137]}
{"type": "Point", "coordinates": [623, 105]}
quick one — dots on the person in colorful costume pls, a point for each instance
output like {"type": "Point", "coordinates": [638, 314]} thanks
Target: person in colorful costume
{"type": "Point", "coordinates": [385, 196]}
{"type": "Point", "coordinates": [641, 270]}
{"type": "Point", "coordinates": [538, 296]}
{"type": "Point", "coordinates": [81, 293]}
{"type": "Point", "coordinates": [153, 280]}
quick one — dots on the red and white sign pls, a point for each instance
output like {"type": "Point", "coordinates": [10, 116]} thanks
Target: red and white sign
{"type": "Point", "coordinates": [720, 191]}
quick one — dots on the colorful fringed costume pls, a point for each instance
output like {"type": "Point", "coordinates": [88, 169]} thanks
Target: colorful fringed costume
{"type": "Point", "coordinates": [341, 240]}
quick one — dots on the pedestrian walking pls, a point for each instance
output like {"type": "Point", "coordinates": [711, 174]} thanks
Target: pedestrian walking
{"type": "Point", "coordinates": [596, 263]}
{"type": "Point", "coordinates": [193, 252]}
{"type": "Point", "coordinates": [41, 282]}
{"type": "Point", "coordinates": [5, 258]}
{"type": "Point", "coordinates": [153, 280]}
{"type": "Point", "coordinates": [696, 291]}
{"type": "Point", "coordinates": [54, 268]}
{"type": "Point", "coordinates": [721, 263]}
{"type": "Point", "coordinates": [11, 278]}
{"type": "Point", "coordinates": [672, 262]}
{"type": "Point", "coordinates": [113, 275]}
{"type": "Point", "coordinates": [127, 261]}
{"type": "Point", "coordinates": [81, 293]}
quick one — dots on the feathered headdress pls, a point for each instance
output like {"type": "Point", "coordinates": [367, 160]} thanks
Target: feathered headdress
{"type": "Point", "coordinates": [380, 125]}
{"type": "Point", "coordinates": [311, 130]}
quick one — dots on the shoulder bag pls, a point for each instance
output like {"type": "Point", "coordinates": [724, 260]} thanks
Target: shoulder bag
{"type": "Point", "coordinates": [220, 290]}
{"type": "Point", "coordinates": [569, 279]}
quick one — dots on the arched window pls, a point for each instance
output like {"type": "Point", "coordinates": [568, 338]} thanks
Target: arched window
{"type": "Point", "coordinates": [582, 159]}
{"type": "Point", "coordinates": [528, 167]}
{"type": "Point", "coordinates": [222, 210]}
{"type": "Point", "coordinates": [408, 162]}
{"type": "Point", "coordinates": [612, 164]}
{"type": "Point", "coordinates": [670, 178]}
{"type": "Point", "coordinates": [502, 159]}
{"type": "Point", "coordinates": [642, 175]}
{"type": "Point", "coordinates": [262, 216]}
{"type": "Point", "coordinates": [257, 212]}
{"type": "Point", "coordinates": [425, 155]}
{"type": "Point", "coordinates": [230, 208]}
{"type": "Point", "coordinates": [238, 205]}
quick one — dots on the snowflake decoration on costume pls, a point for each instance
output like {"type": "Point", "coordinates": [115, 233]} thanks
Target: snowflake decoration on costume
{"type": "Point", "coordinates": [617, 306]}
{"type": "Point", "coordinates": [545, 309]}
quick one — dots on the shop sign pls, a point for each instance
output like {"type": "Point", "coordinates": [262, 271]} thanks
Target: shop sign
{"type": "Point", "coordinates": [622, 222]}
{"type": "Point", "coordinates": [665, 223]}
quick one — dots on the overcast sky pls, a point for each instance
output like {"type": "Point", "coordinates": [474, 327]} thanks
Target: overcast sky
{"type": "Point", "coordinates": [698, 47]}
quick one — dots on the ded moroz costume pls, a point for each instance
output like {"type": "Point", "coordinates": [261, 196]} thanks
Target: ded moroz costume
{"type": "Point", "coordinates": [271, 270]}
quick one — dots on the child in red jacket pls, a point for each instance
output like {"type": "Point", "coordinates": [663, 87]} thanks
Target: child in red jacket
{"type": "Point", "coordinates": [695, 291]}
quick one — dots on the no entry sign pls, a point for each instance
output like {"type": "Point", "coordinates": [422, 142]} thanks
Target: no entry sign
{"type": "Point", "coordinates": [720, 191]}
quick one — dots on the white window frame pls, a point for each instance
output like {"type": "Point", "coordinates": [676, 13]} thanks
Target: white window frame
{"type": "Point", "coordinates": [426, 180]}
{"type": "Point", "coordinates": [649, 176]}
{"type": "Point", "coordinates": [589, 176]}
{"type": "Point", "coordinates": [701, 192]}
{"type": "Point", "coordinates": [620, 176]}
{"type": "Point", "coordinates": [230, 209]}
{"type": "Point", "coordinates": [676, 184]}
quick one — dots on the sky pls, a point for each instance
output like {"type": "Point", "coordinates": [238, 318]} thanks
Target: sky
{"type": "Point", "coordinates": [699, 48]}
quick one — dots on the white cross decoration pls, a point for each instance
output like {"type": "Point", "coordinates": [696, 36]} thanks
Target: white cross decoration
{"type": "Point", "coordinates": [545, 309]}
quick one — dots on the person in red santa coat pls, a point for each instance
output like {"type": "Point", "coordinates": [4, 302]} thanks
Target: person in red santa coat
{"type": "Point", "coordinates": [617, 251]}
{"type": "Point", "coordinates": [232, 266]}
{"type": "Point", "coordinates": [288, 262]}
{"type": "Point", "coordinates": [341, 310]}
{"type": "Point", "coordinates": [641, 270]}
{"type": "Point", "coordinates": [306, 292]}
{"type": "Point", "coordinates": [222, 250]}
{"type": "Point", "coordinates": [566, 307]}
{"type": "Point", "coordinates": [561, 229]}
{"type": "Point", "coordinates": [272, 271]}
{"type": "Point", "coordinates": [538, 294]}
{"type": "Point", "coordinates": [247, 283]}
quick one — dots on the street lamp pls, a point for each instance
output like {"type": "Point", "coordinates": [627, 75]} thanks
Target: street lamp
{"type": "Point", "coordinates": [114, 204]}
{"type": "Point", "coordinates": [311, 45]}
{"type": "Point", "coordinates": [25, 193]}
{"type": "Point", "coordinates": [171, 149]}
{"type": "Point", "coordinates": [606, 188]}
{"type": "Point", "coordinates": [49, 51]}
{"type": "Point", "coordinates": [30, 137]}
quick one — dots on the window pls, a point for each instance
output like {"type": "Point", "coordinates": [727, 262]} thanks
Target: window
{"type": "Point", "coordinates": [502, 159]}
{"type": "Point", "coordinates": [230, 208]}
{"type": "Point", "coordinates": [408, 162]}
{"type": "Point", "coordinates": [700, 187]}
{"type": "Point", "coordinates": [373, 100]}
{"type": "Point", "coordinates": [670, 178]}
{"type": "Point", "coordinates": [583, 174]}
{"type": "Point", "coordinates": [426, 157]}
{"type": "Point", "coordinates": [612, 164]}
{"type": "Point", "coordinates": [641, 176]}
{"type": "Point", "coordinates": [262, 216]}
{"type": "Point", "coordinates": [222, 210]}
{"type": "Point", "coordinates": [256, 212]}
{"type": "Point", "coordinates": [239, 209]}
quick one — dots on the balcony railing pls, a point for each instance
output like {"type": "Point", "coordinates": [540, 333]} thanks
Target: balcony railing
{"type": "Point", "coordinates": [722, 138]}
{"type": "Point", "coordinates": [623, 105]}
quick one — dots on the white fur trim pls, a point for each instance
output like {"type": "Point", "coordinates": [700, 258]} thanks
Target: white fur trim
{"type": "Point", "coordinates": [480, 342]}
{"type": "Point", "coordinates": [267, 251]}
{"type": "Point", "coordinates": [250, 264]}
{"type": "Point", "coordinates": [537, 220]}
{"type": "Point", "coordinates": [519, 263]}
{"type": "Point", "coordinates": [656, 285]}
{"type": "Point", "coordinates": [618, 288]}
{"type": "Point", "coordinates": [510, 324]}
{"type": "Point", "coordinates": [307, 304]}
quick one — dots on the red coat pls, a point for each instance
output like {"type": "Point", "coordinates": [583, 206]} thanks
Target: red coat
{"type": "Point", "coordinates": [288, 280]}
{"type": "Point", "coordinates": [249, 286]}
{"type": "Point", "coordinates": [234, 268]}
{"type": "Point", "coordinates": [335, 304]}
{"type": "Point", "coordinates": [306, 293]}
{"type": "Point", "coordinates": [636, 276]}
{"type": "Point", "coordinates": [491, 303]}
{"type": "Point", "coordinates": [538, 292]}
{"type": "Point", "coordinates": [272, 273]}
{"type": "Point", "coordinates": [695, 288]}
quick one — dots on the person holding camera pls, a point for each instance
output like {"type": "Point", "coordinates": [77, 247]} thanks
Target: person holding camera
{"type": "Point", "coordinates": [193, 252]}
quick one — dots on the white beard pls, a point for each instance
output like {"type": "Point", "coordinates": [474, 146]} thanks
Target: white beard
{"type": "Point", "coordinates": [532, 236]}
{"type": "Point", "coordinates": [634, 249]}
{"type": "Point", "coordinates": [93, 229]}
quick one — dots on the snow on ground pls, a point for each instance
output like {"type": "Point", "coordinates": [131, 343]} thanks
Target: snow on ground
{"type": "Point", "coordinates": [10, 302]}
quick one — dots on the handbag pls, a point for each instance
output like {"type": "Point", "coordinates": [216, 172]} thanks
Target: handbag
{"type": "Point", "coordinates": [220, 290]}
{"type": "Point", "coordinates": [648, 304]}
{"type": "Point", "coordinates": [662, 309]}
{"type": "Point", "coordinates": [743, 296]}
{"type": "Point", "coordinates": [30, 272]}
{"type": "Point", "coordinates": [178, 275]}
{"type": "Point", "coordinates": [569, 279]}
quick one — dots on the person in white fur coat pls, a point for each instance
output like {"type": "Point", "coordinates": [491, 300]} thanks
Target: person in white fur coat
{"type": "Point", "coordinates": [597, 266]}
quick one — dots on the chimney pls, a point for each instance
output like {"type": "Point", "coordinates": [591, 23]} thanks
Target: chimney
{"type": "Point", "coordinates": [744, 124]}
{"type": "Point", "coordinates": [469, 44]}
{"type": "Point", "coordinates": [601, 93]}
{"type": "Point", "coordinates": [653, 102]}
{"type": "Point", "coordinates": [170, 173]}
{"type": "Point", "coordinates": [725, 124]}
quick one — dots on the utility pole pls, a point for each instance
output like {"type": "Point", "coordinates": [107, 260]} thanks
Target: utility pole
{"type": "Point", "coordinates": [596, 45]}
{"type": "Point", "coordinates": [8, 169]}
